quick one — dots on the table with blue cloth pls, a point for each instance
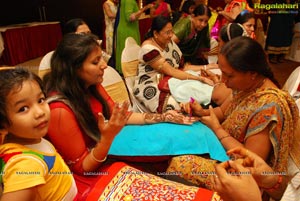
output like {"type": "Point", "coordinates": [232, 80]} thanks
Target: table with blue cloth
{"type": "Point", "coordinates": [167, 139]}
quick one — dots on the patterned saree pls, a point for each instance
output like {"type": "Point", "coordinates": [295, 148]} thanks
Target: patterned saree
{"type": "Point", "coordinates": [123, 182]}
{"type": "Point", "coordinates": [248, 115]}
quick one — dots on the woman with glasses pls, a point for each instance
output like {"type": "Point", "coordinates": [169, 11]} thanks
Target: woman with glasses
{"type": "Point", "coordinates": [160, 56]}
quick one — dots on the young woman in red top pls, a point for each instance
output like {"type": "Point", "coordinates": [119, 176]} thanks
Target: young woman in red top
{"type": "Point", "coordinates": [80, 107]}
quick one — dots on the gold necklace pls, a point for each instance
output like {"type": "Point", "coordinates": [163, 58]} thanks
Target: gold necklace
{"type": "Point", "coordinates": [257, 86]}
{"type": "Point", "coordinates": [260, 84]}
{"type": "Point", "coordinates": [242, 94]}
{"type": "Point", "coordinates": [154, 41]}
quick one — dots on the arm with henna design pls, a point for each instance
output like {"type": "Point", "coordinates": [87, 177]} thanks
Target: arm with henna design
{"type": "Point", "coordinates": [151, 118]}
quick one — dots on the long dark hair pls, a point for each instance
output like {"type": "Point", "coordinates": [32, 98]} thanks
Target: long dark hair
{"type": "Point", "coordinates": [244, 16]}
{"type": "Point", "coordinates": [186, 6]}
{"type": "Point", "coordinates": [13, 79]}
{"type": "Point", "coordinates": [245, 54]}
{"type": "Point", "coordinates": [202, 9]}
{"type": "Point", "coordinates": [63, 79]}
{"type": "Point", "coordinates": [72, 25]}
{"type": "Point", "coordinates": [232, 30]}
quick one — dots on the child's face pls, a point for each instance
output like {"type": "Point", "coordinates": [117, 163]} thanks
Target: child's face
{"type": "Point", "coordinates": [28, 112]}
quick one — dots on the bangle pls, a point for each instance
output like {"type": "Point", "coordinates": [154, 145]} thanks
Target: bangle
{"type": "Point", "coordinates": [144, 118]}
{"type": "Point", "coordinates": [223, 137]}
{"type": "Point", "coordinates": [216, 84]}
{"type": "Point", "coordinates": [95, 159]}
{"type": "Point", "coordinates": [276, 186]}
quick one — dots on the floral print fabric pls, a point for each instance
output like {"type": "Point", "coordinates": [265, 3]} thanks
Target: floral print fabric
{"type": "Point", "coordinates": [248, 115]}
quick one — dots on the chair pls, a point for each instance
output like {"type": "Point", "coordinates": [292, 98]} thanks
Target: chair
{"type": "Point", "coordinates": [212, 55]}
{"type": "Point", "coordinates": [114, 85]}
{"type": "Point", "coordinates": [129, 65]}
{"type": "Point", "coordinates": [292, 83]}
{"type": "Point", "coordinates": [46, 61]}
{"type": "Point", "coordinates": [45, 64]}
{"type": "Point", "coordinates": [298, 104]}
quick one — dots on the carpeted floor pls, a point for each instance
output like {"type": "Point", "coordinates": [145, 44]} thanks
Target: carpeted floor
{"type": "Point", "coordinates": [283, 70]}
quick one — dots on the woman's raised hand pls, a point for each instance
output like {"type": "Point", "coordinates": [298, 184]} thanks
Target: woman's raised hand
{"type": "Point", "coordinates": [148, 6]}
{"type": "Point", "coordinates": [120, 114]}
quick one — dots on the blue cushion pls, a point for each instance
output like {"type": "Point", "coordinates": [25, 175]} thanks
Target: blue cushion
{"type": "Point", "coordinates": [167, 139]}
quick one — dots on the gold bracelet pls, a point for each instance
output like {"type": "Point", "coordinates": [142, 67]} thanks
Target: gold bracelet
{"type": "Point", "coordinates": [275, 186]}
{"type": "Point", "coordinates": [144, 118]}
{"type": "Point", "coordinates": [225, 136]}
{"type": "Point", "coordinates": [95, 159]}
{"type": "Point", "coordinates": [216, 84]}
{"type": "Point", "coordinates": [204, 67]}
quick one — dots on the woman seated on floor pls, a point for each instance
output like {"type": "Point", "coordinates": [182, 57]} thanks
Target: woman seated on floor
{"type": "Point", "coordinates": [260, 116]}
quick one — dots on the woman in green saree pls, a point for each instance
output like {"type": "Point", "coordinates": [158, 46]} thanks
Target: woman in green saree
{"type": "Point", "coordinates": [192, 35]}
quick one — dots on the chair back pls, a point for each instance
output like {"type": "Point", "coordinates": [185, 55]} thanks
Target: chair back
{"type": "Point", "coordinates": [129, 65]}
{"type": "Point", "coordinates": [45, 64]}
{"type": "Point", "coordinates": [129, 57]}
{"type": "Point", "coordinates": [212, 55]}
{"type": "Point", "coordinates": [292, 83]}
{"type": "Point", "coordinates": [114, 85]}
{"type": "Point", "coordinates": [46, 61]}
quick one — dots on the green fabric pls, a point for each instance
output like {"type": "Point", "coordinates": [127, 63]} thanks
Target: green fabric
{"type": "Point", "coordinates": [182, 28]}
{"type": "Point", "coordinates": [190, 46]}
{"type": "Point", "coordinates": [49, 160]}
{"type": "Point", "coordinates": [126, 28]}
